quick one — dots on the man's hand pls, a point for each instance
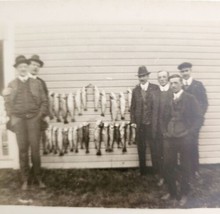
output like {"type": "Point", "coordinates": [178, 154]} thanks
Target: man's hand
{"type": "Point", "coordinates": [6, 91]}
{"type": "Point", "coordinates": [47, 119]}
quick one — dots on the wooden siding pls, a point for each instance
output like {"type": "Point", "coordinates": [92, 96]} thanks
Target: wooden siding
{"type": "Point", "coordinates": [108, 56]}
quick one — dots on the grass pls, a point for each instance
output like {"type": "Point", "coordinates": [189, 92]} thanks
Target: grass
{"type": "Point", "coordinates": [115, 188]}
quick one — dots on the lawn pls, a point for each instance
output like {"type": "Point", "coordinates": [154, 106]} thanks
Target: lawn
{"type": "Point", "coordinates": [115, 188]}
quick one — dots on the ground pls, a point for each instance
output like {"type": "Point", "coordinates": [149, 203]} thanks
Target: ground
{"type": "Point", "coordinates": [121, 188]}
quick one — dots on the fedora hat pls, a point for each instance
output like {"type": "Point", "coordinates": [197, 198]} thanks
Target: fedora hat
{"type": "Point", "coordinates": [36, 58]}
{"type": "Point", "coordinates": [142, 71]}
{"type": "Point", "coordinates": [19, 60]}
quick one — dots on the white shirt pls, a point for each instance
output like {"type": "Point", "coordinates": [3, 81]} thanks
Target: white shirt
{"type": "Point", "coordinates": [23, 79]}
{"type": "Point", "coordinates": [165, 88]}
{"type": "Point", "coordinates": [177, 95]}
{"type": "Point", "coordinates": [145, 86]}
{"type": "Point", "coordinates": [188, 82]}
{"type": "Point", "coordinates": [32, 76]}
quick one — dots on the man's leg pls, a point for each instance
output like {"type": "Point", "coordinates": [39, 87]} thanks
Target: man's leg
{"type": "Point", "coordinates": [195, 153]}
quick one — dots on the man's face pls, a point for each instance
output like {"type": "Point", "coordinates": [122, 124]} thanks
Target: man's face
{"type": "Point", "coordinates": [34, 68]}
{"type": "Point", "coordinates": [185, 73]}
{"type": "Point", "coordinates": [175, 84]}
{"type": "Point", "coordinates": [22, 69]}
{"type": "Point", "coordinates": [162, 78]}
{"type": "Point", "coordinates": [143, 78]}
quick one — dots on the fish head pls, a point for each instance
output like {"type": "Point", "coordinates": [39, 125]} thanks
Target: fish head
{"type": "Point", "coordinates": [129, 91]}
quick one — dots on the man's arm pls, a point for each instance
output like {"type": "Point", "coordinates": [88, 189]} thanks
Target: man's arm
{"type": "Point", "coordinates": [133, 107]}
{"type": "Point", "coordinates": [44, 111]}
{"type": "Point", "coordinates": [202, 97]}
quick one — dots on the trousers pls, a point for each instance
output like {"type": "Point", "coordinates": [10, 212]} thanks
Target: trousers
{"type": "Point", "coordinates": [195, 152]}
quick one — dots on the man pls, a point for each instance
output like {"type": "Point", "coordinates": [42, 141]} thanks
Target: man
{"type": "Point", "coordinates": [26, 105]}
{"type": "Point", "coordinates": [197, 89]}
{"type": "Point", "coordinates": [165, 96]}
{"type": "Point", "coordinates": [181, 120]}
{"type": "Point", "coordinates": [144, 109]}
{"type": "Point", "coordinates": [35, 63]}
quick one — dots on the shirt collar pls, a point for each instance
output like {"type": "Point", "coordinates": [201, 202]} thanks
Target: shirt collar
{"type": "Point", "coordinates": [165, 88]}
{"type": "Point", "coordinates": [23, 79]}
{"type": "Point", "coordinates": [144, 86]}
{"type": "Point", "coordinates": [188, 82]}
{"type": "Point", "coordinates": [32, 76]}
{"type": "Point", "coordinates": [177, 95]}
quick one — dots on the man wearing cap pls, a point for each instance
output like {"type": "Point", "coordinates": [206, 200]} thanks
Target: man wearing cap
{"type": "Point", "coordinates": [26, 104]}
{"type": "Point", "coordinates": [144, 112]}
{"type": "Point", "coordinates": [181, 118]}
{"type": "Point", "coordinates": [165, 96]}
{"type": "Point", "coordinates": [197, 89]}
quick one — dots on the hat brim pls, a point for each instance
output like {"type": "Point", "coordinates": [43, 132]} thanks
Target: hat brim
{"type": "Point", "coordinates": [36, 60]}
{"type": "Point", "coordinates": [144, 74]}
{"type": "Point", "coordinates": [20, 62]}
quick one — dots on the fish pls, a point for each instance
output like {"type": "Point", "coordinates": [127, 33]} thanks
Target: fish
{"type": "Point", "coordinates": [122, 136]}
{"type": "Point", "coordinates": [78, 101]}
{"type": "Point", "coordinates": [111, 136]}
{"type": "Point", "coordinates": [57, 106]}
{"type": "Point", "coordinates": [64, 113]}
{"type": "Point", "coordinates": [122, 105]}
{"type": "Point", "coordinates": [54, 139]}
{"type": "Point", "coordinates": [128, 133]}
{"type": "Point", "coordinates": [117, 135]}
{"type": "Point", "coordinates": [96, 98]}
{"type": "Point", "coordinates": [86, 136]}
{"type": "Point", "coordinates": [103, 103]}
{"type": "Point", "coordinates": [75, 139]}
{"type": "Point", "coordinates": [70, 138]}
{"type": "Point", "coordinates": [129, 91]}
{"type": "Point", "coordinates": [65, 139]}
{"type": "Point", "coordinates": [84, 98]}
{"type": "Point", "coordinates": [71, 106]}
{"type": "Point", "coordinates": [48, 134]}
{"type": "Point", "coordinates": [43, 139]}
{"type": "Point", "coordinates": [98, 136]}
{"type": "Point", "coordinates": [60, 145]}
{"type": "Point", "coordinates": [51, 105]}
{"type": "Point", "coordinates": [113, 106]}
{"type": "Point", "coordinates": [133, 133]}
{"type": "Point", "coordinates": [105, 136]}
{"type": "Point", "coordinates": [79, 138]}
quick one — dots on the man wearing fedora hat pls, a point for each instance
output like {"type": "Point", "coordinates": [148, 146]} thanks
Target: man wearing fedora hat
{"type": "Point", "coordinates": [144, 111]}
{"type": "Point", "coordinates": [26, 104]}
{"type": "Point", "coordinates": [197, 89]}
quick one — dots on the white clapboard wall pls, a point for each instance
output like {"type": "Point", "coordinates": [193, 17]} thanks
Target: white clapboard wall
{"type": "Point", "coordinates": [108, 56]}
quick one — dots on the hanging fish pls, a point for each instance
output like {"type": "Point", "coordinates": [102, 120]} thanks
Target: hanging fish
{"type": "Point", "coordinates": [96, 98]}
{"type": "Point", "coordinates": [54, 139]}
{"type": "Point", "coordinates": [122, 136]}
{"type": "Point", "coordinates": [48, 134]}
{"type": "Point", "coordinates": [113, 106]}
{"type": "Point", "coordinates": [70, 138]}
{"type": "Point", "coordinates": [75, 139]}
{"type": "Point", "coordinates": [86, 136]}
{"type": "Point", "coordinates": [64, 112]}
{"type": "Point", "coordinates": [103, 103]}
{"type": "Point", "coordinates": [51, 105]}
{"type": "Point", "coordinates": [79, 138]}
{"type": "Point", "coordinates": [44, 142]}
{"type": "Point", "coordinates": [71, 106]}
{"type": "Point", "coordinates": [57, 106]}
{"type": "Point", "coordinates": [78, 101]}
{"type": "Point", "coordinates": [105, 136]}
{"type": "Point", "coordinates": [117, 135]}
{"type": "Point", "coordinates": [133, 133]}
{"type": "Point", "coordinates": [129, 91]}
{"type": "Point", "coordinates": [128, 133]}
{"type": "Point", "coordinates": [65, 140]}
{"type": "Point", "coordinates": [84, 98]}
{"type": "Point", "coordinates": [122, 105]}
{"type": "Point", "coordinates": [98, 136]}
{"type": "Point", "coordinates": [111, 136]}
{"type": "Point", "coordinates": [60, 145]}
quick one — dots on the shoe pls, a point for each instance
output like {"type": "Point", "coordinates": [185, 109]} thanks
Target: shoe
{"type": "Point", "coordinates": [160, 183]}
{"type": "Point", "coordinates": [183, 201]}
{"type": "Point", "coordinates": [166, 197]}
{"type": "Point", "coordinates": [24, 186]}
{"type": "Point", "coordinates": [41, 184]}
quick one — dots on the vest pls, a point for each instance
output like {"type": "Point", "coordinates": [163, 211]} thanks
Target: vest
{"type": "Point", "coordinates": [147, 107]}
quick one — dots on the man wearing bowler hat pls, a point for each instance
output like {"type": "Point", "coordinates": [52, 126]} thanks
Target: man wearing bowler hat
{"type": "Point", "coordinates": [26, 104]}
{"type": "Point", "coordinates": [197, 89]}
{"type": "Point", "coordinates": [144, 111]}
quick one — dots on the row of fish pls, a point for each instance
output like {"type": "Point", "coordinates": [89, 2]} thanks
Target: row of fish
{"type": "Point", "coordinates": [63, 107]}
{"type": "Point", "coordinates": [61, 139]}
{"type": "Point", "coordinates": [122, 134]}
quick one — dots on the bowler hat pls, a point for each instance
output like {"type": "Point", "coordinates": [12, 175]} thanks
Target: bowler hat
{"type": "Point", "coordinates": [36, 58]}
{"type": "Point", "coordinates": [19, 60]}
{"type": "Point", "coordinates": [142, 71]}
{"type": "Point", "coordinates": [184, 65]}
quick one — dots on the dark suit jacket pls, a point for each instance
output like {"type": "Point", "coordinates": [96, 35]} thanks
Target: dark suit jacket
{"type": "Point", "coordinates": [198, 90]}
{"type": "Point", "coordinates": [191, 111]}
{"type": "Point", "coordinates": [44, 85]}
{"type": "Point", "coordinates": [137, 106]}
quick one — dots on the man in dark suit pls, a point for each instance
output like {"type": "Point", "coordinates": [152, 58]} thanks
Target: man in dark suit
{"type": "Point", "coordinates": [197, 89]}
{"type": "Point", "coordinates": [144, 113]}
{"type": "Point", "coordinates": [165, 96]}
{"type": "Point", "coordinates": [181, 119]}
{"type": "Point", "coordinates": [26, 104]}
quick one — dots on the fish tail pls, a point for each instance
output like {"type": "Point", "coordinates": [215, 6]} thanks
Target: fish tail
{"type": "Point", "coordinates": [95, 109]}
{"type": "Point", "coordinates": [76, 150]}
{"type": "Point", "coordinates": [87, 151]}
{"type": "Point", "coordinates": [124, 150]}
{"type": "Point", "coordinates": [102, 114]}
{"type": "Point", "coordinates": [85, 109]}
{"type": "Point", "coordinates": [122, 117]}
{"type": "Point", "coordinates": [99, 153]}
{"type": "Point", "coordinates": [80, 114]}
